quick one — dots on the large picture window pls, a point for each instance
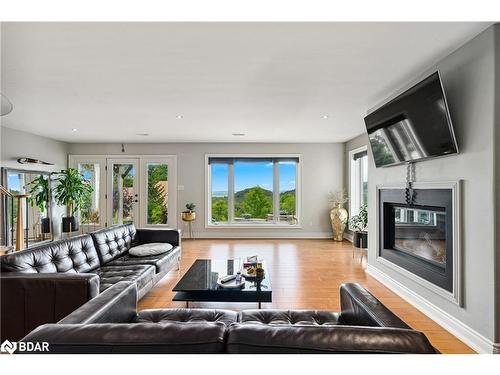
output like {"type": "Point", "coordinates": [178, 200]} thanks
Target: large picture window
{"type": "Point", "coordinates": [253, 190]}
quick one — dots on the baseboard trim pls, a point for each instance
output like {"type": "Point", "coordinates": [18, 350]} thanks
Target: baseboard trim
{"type": "Point", "coordinates": [262, 235]}
{"type": "Point", "coordinates": [465, 333]}
{"type": "Point", "coordinates": [348, 236]}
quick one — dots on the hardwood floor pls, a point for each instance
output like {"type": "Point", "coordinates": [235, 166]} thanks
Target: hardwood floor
{"type": "Point", "coordinates": [305, 274]}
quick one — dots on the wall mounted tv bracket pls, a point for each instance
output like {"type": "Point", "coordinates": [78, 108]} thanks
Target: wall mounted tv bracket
{"type": "Point", "coordinates": [410, 194]}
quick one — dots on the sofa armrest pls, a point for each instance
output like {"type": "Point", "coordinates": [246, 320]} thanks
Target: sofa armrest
{"type": "Point", "coordinates": [361, 308]}
{"type": "Point", "coordinates": [117, 304]}
{"type": "Point", "coordinates": [32, 299]}
{"type": "Point", "coordinates": [171, 236]}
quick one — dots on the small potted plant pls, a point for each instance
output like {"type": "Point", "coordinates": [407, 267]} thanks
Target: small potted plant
{"type": "Point", "coordinates": [359, 223]}
{"type": "Point", "coordinates": [189, 214]}
{"type": "Point", "coordinates": [39, 196]}
{"type": "Point", "coordinates": [70, 191]}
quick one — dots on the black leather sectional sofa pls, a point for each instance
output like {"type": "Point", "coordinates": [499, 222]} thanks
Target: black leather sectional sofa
{"type": "Point", "coordinates": [90, 286]}
{"type": "Point", "coordinates": [45, 283]}
{"type": "Point", "coordinates": [110, 323]}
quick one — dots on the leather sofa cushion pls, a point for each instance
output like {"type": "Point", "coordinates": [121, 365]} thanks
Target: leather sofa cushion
{"type": "Point", "coordinates": [140, 274]}
{"type": "Point", "coordinates": [262, 338]}
{"type": "Point", "coordinates": [112, 242]}
{"type": "Point", "coordinates": [75, 255]}
{"type": "Point", "coordinates": [186, 316]}
{"type": "Point", "coordinates": [290, 317]}
{"type": "Point", "coordinates": [162, 262]}
{"type": "Point", "coordinates": [146, 338]}
{"type": "Point", "coordinates": [154, 248]}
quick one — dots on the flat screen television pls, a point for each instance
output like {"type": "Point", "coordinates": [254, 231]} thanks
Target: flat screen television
{"type": "Point", "coordinates": [414, 126]}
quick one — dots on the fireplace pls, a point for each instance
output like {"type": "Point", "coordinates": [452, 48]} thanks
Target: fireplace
{"type": "Point", "coordinates": [420, 238]}
{"type": "Point", "coordinates": [420, 232]}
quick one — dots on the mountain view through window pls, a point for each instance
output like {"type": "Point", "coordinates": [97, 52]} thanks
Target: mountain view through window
{"type": "Point", "coordinates": [262, 191]}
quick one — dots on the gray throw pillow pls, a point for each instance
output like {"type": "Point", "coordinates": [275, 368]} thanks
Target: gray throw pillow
{"type": "Point", "coordinates": [148, 249]}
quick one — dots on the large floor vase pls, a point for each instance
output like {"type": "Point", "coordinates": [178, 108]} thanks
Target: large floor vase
{"type": "Point", "coordinates": [338, 218]}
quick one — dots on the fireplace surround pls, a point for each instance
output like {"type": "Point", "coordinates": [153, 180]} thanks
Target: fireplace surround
{"type": "Point", "coordinates": [421, 239]}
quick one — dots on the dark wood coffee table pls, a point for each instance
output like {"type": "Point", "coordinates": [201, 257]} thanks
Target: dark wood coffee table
{"type": "Point", "coordinates": [200, 284]}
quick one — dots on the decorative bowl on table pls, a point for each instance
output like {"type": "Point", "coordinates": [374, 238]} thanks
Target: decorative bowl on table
{"type": "Point", "coordinates": [232, 284]}
{"type": "Point", "coordinates": [252, 273]}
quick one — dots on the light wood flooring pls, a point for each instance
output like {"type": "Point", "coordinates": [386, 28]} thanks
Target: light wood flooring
{"type": "Point", "coordinates": [305, 274]}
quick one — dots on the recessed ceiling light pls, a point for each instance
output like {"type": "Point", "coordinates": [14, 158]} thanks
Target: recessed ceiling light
{"type": "Point", "coordinates": [179, 117]}
{"type": "Point", "coordinates": [325, 117]}
{"type": "Point", "coordinates": [74, 129]}
{"type": "Point", "coordinates": [239, 134]}
{"type": "Point", "coordinates": [142, 134]}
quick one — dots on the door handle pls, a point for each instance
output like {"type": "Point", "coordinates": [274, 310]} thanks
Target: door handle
{"type": "Point", "coordinates": [136, 200]}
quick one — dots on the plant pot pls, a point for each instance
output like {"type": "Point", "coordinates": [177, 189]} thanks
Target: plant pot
{"type": "Point", "coordinates": [70, 224]}
{"type": "Point", "coordinates": [338, 218]}
{"type": "Point", "coordinates": [188, 215]}
{"type": "Point", "coordinates": [360, 239]}
{"type": "Point", "coordinates": [45, 225]}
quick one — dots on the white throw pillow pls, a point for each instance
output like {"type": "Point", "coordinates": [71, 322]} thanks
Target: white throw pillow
{"type": "Point", "coordinates": [148, 249]}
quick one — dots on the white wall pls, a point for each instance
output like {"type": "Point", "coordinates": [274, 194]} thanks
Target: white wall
{"type": "Point", "coordinates": [322, 172]}
{"type": "Point", "coordinates": [17, 144]}
{"type": "Point", "coordinates": [468, 78]}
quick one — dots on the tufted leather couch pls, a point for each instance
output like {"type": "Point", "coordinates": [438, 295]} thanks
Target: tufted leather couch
{"type": "Point", "coordinates": [45, 283]}
{"type": "Point", "coordinates": [111, 324]}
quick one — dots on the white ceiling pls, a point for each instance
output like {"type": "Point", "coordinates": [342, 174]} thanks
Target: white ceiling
{"type": "Point", "coordinates": [272, 81]}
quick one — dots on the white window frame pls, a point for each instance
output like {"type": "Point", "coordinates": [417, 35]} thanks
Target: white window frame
{"type": "Point", "coordinates": [355, 188]}
{"type": "Point", "coordinates": [271, 224]}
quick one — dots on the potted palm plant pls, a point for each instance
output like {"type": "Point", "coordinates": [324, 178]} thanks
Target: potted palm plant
{"type": "Point", "coordinates": [39, 196]}
{"type": "Point", "coordinates": [359, 223]}
{"type": "Point", "coordinates": [70, 191]}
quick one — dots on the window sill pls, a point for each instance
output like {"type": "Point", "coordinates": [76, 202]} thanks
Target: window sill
{"type": "Point", "coordinates": [254, 226]}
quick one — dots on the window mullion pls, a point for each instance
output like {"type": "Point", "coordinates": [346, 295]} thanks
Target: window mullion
{"type": "Point", "coordinates": [230, 193]}
{"type": "Point", "coordinates": [276, 191]}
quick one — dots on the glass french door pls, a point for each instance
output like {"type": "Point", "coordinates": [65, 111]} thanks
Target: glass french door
{"type": "Point", "coordinates": [158, 190]}
{"type": "Point", "coordinates": [123, 191]}
{"type": "Point", "coordinates": [92, 212]}
{"type": "Point", "coordinates": [140, 190]}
